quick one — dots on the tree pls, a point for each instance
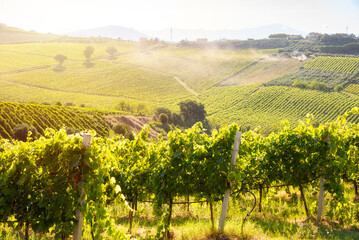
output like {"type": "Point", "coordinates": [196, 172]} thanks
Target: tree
{"type": "Point", "coordinates": [192, 112]}
{"type": "Point", "coordinates": [21, 131]}
{"type": "Point", "coordinates": [165, 111]}
{"type": "Point", "coordinates": [112, 51]}
{"type": "Point", "coordinates": [124, 130]}
{"type": "Point", "coordinates": [163, 118]}
{"type": "Point", "coordinates": [60, 59]}
{"type": "Point", "coordinates": [318, 86]}
{"type": "Point", "coordinates": [88, 52]}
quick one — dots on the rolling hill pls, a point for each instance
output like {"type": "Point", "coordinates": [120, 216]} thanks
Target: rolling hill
{"type": "Point", "coordinates": [249, 86]}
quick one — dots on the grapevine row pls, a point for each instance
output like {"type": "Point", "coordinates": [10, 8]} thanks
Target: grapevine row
{"type": "Point", "coordinates": [42, 117]}
{"type": "Point", "coordinates": [40, 181]}
{"type": "Point", "coordinates": [334, 64]}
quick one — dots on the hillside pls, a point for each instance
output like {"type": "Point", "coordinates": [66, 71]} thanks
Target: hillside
{"type": "Point", "coordinates": [249, 86]}
{"type": "Point", "coordinates": [17, 35]}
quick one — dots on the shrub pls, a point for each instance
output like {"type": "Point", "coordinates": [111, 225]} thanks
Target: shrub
{"type": "Point", "coordinates": [300, 84]}
{"type": "Point", "coordinates": [69, 104]}
{"type": "Point", "coordinates": [338, 88]}
{"type": "Point", "coordinates": [163, 118]}
{"type": "Point", "coordinates": [318, 86]}
{"type": "Point", "coordinates": [72, 130]}
{"type": "Point", "coordinates": [120, 128]}
{"type": "Point", "coordinates": [165, 111]}
{"type": "Point", "coordinates": [21, 131]}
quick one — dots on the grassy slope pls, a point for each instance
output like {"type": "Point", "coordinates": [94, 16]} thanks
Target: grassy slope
{"type": "Point", "coordinates": [73, 51]}
{"type": "Point", "coordinates": [199, 68]}
{"type": "Point", "coordinates": [264, 71]}
{"type": "Point", "coordinates": [105, 78]}
{"type": "Point", "coordinates": [16, 35]}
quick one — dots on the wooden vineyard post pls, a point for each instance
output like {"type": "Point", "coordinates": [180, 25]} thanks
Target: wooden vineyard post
{"type": "Point", "coordinates": [321, 198]}
{"type": "Point", "coordinates": [227, 193]}
{"type": "Point", "coordinates": [79, 216]}
{"type": "Point", "coordinates": [321, 191]}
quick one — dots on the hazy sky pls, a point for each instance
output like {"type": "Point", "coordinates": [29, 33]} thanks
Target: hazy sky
{"type": "Point", "coordinates": [68, 15]}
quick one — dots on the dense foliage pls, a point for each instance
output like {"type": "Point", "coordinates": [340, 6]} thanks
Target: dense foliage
{"type": "Point", "coordinates": [41, 182]}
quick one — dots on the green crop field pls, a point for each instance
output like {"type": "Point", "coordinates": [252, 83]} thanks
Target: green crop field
{"type": "Point", "coordinates": [44, 116]}
{"type": "Point", "coordinates": [10, 61]}
{"type": "Point", "coordinates": [331, 79]}
{"type": "Point", "coordinates": [105, 78]}
{"type": "Point", "coordinates": [334, 64]}
{"type": "Point", "coordinates": [352, 88]}
{"type": "Point", "coordinates": [15, 92]}
{"type": "Point", "coordinates": [267, 106]}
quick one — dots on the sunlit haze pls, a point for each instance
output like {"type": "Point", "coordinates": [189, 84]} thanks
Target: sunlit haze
{"type": "Point", "coordinates": [70, 15]}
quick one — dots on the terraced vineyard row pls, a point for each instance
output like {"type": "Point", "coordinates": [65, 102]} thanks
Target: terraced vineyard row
{"type": "Point", "coordinates": [353, 88]}
{"type": "Point", "coordinates": [268, 106]}
{"type": "Point", "coordinates": [334, 64]}
{"type": "Point", "coordinates": [44, 116]}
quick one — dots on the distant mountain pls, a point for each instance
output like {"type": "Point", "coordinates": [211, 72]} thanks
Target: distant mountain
{"type": "Point", "coordinates": [111, 32]}
{"type": "Point", "coordinates": [240, 34]}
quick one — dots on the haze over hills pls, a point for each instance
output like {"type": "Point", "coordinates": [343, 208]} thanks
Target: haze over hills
{"type": "Point", "coordinates": [111, 31]}
{"type": "Point", "coordinates": [13, 34]}
{"type": "Point", "coordinates": [231, 34]}
{"type": "Point", "coordinates": [188, 34]}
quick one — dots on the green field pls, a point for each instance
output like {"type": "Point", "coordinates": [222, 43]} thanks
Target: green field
{"type": "Point", "coordinates": [105, 78]}
{"type": "Point", "coordinates": [253, 106]}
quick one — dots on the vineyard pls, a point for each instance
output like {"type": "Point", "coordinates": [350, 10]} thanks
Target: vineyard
{"type": "Point", "coordinates": [44, 182]}
{"type": "Point", "coordinates": [46, 116]}
{"type": "Point", "coordinates": [330, 79]}
{"type": "Point", "coordinates": [334, 64]}
{"type": "Point", "coordinates": [352, 88]}
{"type": "Point", "coordinates": [266, 107]}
